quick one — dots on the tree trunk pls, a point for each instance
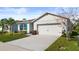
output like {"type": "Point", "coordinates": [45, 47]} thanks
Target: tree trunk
{"type": "Point", "coordinates": [11, 29]}
{"type": "Point", "coordinates": [68, 36]}
{"type": "Point", "coordinates": [2, 28]}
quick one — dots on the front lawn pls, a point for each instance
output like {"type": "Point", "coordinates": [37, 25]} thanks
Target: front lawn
{"type": "Point", "coordinates": [11, 36]}
{"type": "Point", "coordinates": [61, 44]}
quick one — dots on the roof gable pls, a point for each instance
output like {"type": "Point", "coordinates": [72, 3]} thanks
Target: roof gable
{"type": "Point", "coordinates": [49, 14]}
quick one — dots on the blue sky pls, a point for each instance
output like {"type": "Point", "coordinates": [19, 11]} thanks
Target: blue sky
{"type": "Point", "coordinates": [19, 13]}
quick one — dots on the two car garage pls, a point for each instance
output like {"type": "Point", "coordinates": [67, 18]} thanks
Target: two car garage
{"type": "Point", "coordinates": [50, 29]}
{"type": "Point", "coordinates": [49, 24]}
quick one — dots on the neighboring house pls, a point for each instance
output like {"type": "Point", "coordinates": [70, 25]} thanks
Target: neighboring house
{"type": "Point", "coordinates": [50, 24]}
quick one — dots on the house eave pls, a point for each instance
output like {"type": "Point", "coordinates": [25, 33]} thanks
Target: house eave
{"type": "Point", "coordinates": [49, 14]}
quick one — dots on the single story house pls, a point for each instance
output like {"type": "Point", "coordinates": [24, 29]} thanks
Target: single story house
{"type": "Point", "coordinates": [46, 24]}
{"type": "Point", "coordinates": [50, 24]}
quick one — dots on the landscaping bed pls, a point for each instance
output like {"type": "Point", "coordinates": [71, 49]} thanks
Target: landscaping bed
{"type": "Point", "coordinates": [61, 44]}
{"type": "Point", "coordinates": [11, 36]}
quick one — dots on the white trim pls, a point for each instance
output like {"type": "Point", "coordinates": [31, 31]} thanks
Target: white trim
{"type": "Point", "coordinates": [28, 28]}
{"type": "Point", "coordinates": [18, 27]}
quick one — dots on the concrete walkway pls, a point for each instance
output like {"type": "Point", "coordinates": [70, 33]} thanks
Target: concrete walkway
{"type": "Point", "coordinates": [34, 42]}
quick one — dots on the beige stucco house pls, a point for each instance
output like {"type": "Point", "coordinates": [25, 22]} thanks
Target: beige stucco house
{"type": "Point", "coordinates": [50, 24]}
{"type": "Point", "coordinates": [46, 24]}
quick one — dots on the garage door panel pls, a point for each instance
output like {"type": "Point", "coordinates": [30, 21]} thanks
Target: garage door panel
{"type": "Point", "coordinates": [49, 30]}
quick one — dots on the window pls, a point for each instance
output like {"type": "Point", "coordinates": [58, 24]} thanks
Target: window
{"type": "Point", "coordinates": [23, 26]}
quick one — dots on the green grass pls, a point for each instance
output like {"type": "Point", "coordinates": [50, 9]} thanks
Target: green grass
{"type": "Point", "coordinates": [62, 44]}
{"type": "Point", "coordinates": [11, 36]}
{"type": "Point", "coordinates": [68, 45]}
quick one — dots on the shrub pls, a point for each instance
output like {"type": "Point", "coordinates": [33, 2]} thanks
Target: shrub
{"type": "Point", "coordinates": [15, 31]}
{"type": "Point", "coordinates": [74, 33]}
{"type": "Point", "coordinates": [63, 33]}
{"type": "Point", "coordinates": [24, 32]}
{"type": "Point", "coordinates": [3, 32]}
{"type": "Point", "coordinates": [77, 29]}
{"type": "Point", "coordinates": [0, 32]}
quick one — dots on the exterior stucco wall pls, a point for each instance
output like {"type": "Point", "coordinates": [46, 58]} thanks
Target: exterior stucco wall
{"type": "Point", "coordinates": [14, 27]}
{"type": "Point", "coordinates": [50, 19]}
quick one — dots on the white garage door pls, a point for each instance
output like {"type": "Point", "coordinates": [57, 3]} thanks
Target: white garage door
{"type": "Point", "coordinates": [50, 30]}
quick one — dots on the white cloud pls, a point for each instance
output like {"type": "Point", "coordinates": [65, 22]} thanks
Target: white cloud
{"type": "Point", "coordinates": [13, 11]}
{"type": "Point", "coordinates": [21, 11]}
{"type": "Point", "coordinates": [16, 13]}
{"type": "Point", "coordinates": [16, 17]}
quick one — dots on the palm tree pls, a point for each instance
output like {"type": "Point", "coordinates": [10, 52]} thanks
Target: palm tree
{"type": "Point", "coordinates": [10, 22]}
{"type": "Point", "coordinates": [2, 23]}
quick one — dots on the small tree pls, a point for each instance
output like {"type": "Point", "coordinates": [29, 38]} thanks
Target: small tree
{"type": "Point", "coordinates": [72, 14]}
{"type": "Point", "coordinates": [11, 21]}
{"type": "Point", "coordinates": [2, 23]}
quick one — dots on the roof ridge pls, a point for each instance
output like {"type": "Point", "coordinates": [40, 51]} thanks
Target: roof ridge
{"type": "Point", "coordinates": [50, 14]}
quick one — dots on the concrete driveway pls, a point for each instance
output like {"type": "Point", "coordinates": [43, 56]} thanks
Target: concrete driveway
{"type": "Point", "coordinates": [35, 42]}
{"type": "Point", "coordinates": [8, 47]}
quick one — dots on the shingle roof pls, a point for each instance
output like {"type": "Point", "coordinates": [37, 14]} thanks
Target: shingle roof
{"type": "Point", "coordinates": [50, 14]}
